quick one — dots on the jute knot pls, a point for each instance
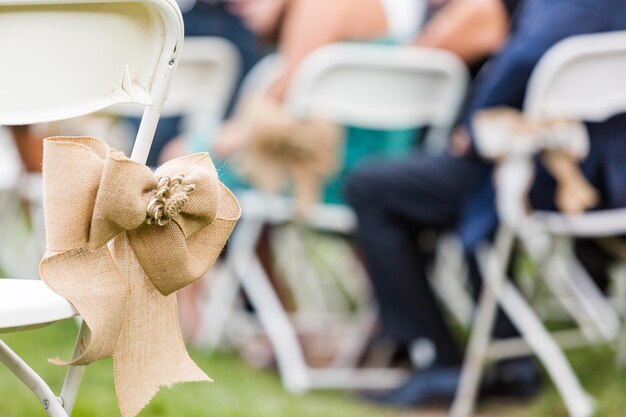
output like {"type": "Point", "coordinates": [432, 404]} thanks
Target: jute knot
{"type": "Point", "coordinates": [171, 196]}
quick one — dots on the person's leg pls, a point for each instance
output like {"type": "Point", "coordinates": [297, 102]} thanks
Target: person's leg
{"type": "Point", "coordinates": [393, 200]}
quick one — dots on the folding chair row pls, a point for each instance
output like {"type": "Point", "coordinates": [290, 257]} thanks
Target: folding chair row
{"type": "Point", "coordinates": [369, 86]}
{"type": "Point", "coordinates": [580, 78]}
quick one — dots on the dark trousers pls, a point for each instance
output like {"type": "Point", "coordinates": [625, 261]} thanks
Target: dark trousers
{"type": "Point", "coordinates": [395, 201]}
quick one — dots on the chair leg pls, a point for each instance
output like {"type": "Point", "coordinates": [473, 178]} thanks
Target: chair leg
{"type": "Point", "coordinates": [273, 317]}
{"type": "Point", "coordinates": [32, 380]}
{"type": "Point", "coordinates": [543, 345]}
{"type": "Point", "coordinates": [493, 271]}
{"type": "Point", "coordinates": [476, 355]}
{"type": "Point", "coordinates": [219, 308]}
{"type": "Point", "coordinates": [577, 401]}
{"type": "Point", "coordinates": [604, 313]}
{"type": "Point", "coordinates": [305, 284]}
{"type": "Point", "coordinates": [575, 290]}
{"type": "Point", "coordinates": [448, 267]}
{"type": "Point", "coordinates": [74, 375]}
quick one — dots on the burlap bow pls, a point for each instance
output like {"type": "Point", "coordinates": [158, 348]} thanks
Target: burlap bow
{"type": "Point", "coordinates": [120, 241]}
{"type": "Point", "coordinates": [281, 151]}
{"type": "Point", "coordinates": [506, 133]}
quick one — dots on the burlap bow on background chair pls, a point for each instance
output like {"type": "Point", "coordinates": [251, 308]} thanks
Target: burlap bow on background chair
{"type": "Point", "coordinates": [121, 240]}
{"type": "Point", "coordinates": [510, 138]}
{"type": "Point", "coordinates": [282, 151]}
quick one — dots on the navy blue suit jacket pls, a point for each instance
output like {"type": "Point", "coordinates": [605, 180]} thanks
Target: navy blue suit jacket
{"type": "Point", "coordinates": [539, 25]}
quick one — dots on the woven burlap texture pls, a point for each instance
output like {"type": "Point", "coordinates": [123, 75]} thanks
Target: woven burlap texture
{"type": "Point", "coordinates": [121, 273]}
{"type": "Point", "coordinates": [282, 151]}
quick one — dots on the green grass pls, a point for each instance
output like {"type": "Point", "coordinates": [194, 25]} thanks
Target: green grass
{"type": "Point", "coordinates": [598, 372]}
{"type": "Point", "coordinates": [239, 391]}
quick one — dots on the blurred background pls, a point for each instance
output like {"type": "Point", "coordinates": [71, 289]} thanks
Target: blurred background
{"type": "Point", "coordinates": [375, 206]}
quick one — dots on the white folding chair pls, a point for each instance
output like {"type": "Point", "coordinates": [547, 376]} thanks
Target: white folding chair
{"type": "Point", "coordinates": [369, 86]}
{"type": "Point", "coordinates": [580, 78]}
{"type": "Point", "coordinates": [66, 58]}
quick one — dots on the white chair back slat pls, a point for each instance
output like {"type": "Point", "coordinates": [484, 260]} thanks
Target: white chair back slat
{"type": "Point", "coordinates": [380, 87]}
{"type": "Point", "coordinates": [582, 77]}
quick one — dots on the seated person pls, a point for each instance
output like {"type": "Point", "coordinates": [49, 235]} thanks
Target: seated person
{"type": "Point", "coordinates": [481, 27]}
{"type": "Point", "coordinates": [472, 30]}
{"type": "Point", "coordinates": [301, 26]}
{"type": "Point", "coordinates": [397, 200]}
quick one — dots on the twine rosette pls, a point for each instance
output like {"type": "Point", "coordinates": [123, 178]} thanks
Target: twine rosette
{"type": "Point", "coordinates": [281, 151]}
{"type": "Point", "coordinates": [121, 240]}
{"type": "Point", "coordinates": [504, 132]}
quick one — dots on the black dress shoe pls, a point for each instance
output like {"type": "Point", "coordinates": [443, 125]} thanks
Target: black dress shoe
{"type": "Point", "coordinates": [433, 386]}
{"type": "Point", "coordinates": [515, 378]}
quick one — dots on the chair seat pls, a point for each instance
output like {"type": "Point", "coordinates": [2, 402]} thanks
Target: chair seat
{"type": "Point", "coordinates": [27, 304]}
{"type": "Point", "coordinates": [278, 209]}
{"type": "Point", "coordinates": [599, 223]}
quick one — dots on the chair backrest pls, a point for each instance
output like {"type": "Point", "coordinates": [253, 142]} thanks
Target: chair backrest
{"type": "Point", "coordinates": [579, 78]}
{"type": "Point", "coordinates": [380, 86]}
{"type": "Point", "coordinates": [261, 77]}
{"type": "Point", "coordinates": [67, 58]}
{"type": "Point", "coordinates": [207, 72]}
{"type": "Point", "coordinates": [582, 77]}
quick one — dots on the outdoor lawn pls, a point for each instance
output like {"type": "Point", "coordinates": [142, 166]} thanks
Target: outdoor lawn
{"type": "Point", "coordinates": [239, 391]}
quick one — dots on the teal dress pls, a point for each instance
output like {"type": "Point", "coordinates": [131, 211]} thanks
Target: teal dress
{"type": "Point", "coordinates": [362, 145]}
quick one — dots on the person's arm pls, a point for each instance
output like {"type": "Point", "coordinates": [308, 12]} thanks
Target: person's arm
{"type": "Point", "coordinates": [263, 17]}
{"type": "Point", "coordinates": [540, 26]}
{"type": "Point", "coordinates": [471, 29]}
{"type": "Point", "coordinates": [29, 146]}
{"type": "Point", "coordinates": [311, 24]}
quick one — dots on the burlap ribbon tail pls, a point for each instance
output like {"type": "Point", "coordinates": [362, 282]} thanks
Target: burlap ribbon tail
{"type": "Point", "coordinates": [121, 240]}
{"type": "Point", "coordinates": [282, 151]}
